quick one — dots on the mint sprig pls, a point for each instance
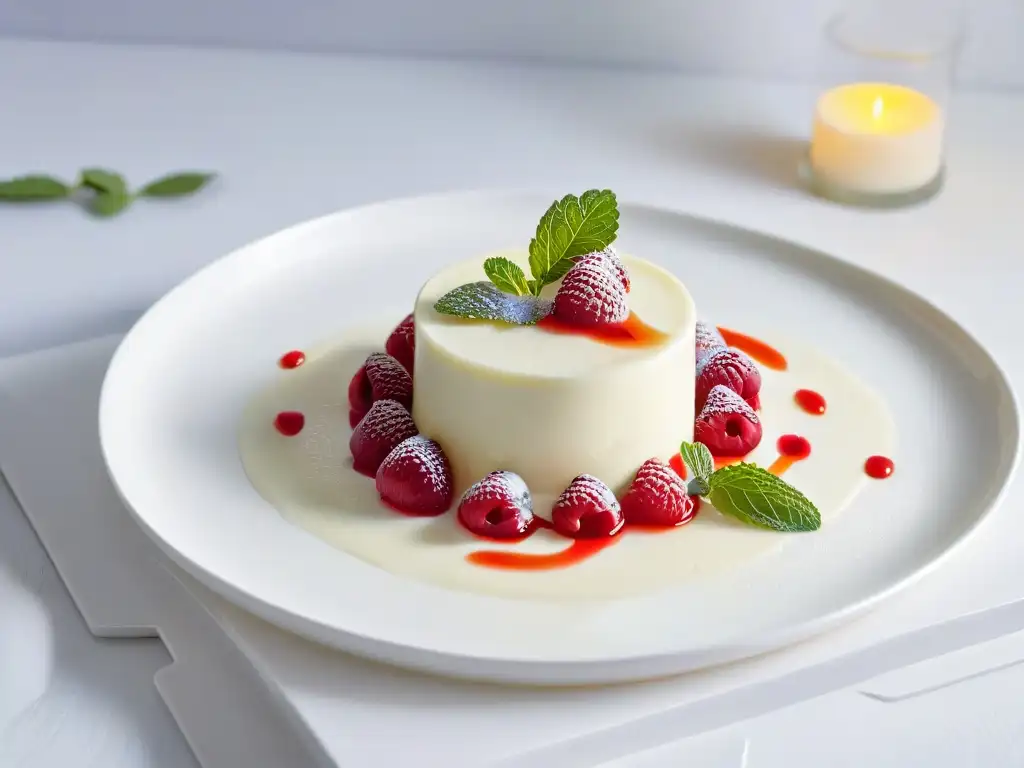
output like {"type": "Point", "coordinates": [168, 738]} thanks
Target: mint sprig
{"type": "Point", "coordinates": [102, 192]}
{"type": "Point", "coordinates": [571, 227]}
{"type": "Point", "coordinates": [749, 493]}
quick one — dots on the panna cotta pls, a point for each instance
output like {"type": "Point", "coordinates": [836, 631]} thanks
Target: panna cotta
{"type": "Point", "coordinates": [550, 406]}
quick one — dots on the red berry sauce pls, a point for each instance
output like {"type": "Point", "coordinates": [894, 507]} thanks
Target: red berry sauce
{"type": "Point", "coordinates": [578, 551]}
{"type": "Point", "coordinates": [879, 467]}
{"type": "Point", "coordinates": [766, 355]}
{"type": "Point", "coordinates": [810, 401]}
{"type": "Point", "coordinates": [678, 466]}
{"type": "Point", "coordinates": [292, 359]}
{"type": "Point", "coordinates": [633, 332]}
{"type": "Point", "coordinates": [289, 423]}
{"type": "Point", "coordinates": [791, 448]}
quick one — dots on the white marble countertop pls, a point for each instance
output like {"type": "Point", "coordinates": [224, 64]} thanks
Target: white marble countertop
{"type": "Point", "coordinates": [296, 136]}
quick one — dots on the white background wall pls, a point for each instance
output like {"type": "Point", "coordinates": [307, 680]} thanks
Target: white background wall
{"type": "Point", "coordinates": [763, 38]}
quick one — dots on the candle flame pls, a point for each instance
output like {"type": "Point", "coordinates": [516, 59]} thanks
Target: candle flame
{"type": "Point", "coordinates": [876, 108]}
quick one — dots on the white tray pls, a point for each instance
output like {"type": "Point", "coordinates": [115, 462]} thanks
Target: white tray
{"type": "Point", "coordinates": [353, 713]}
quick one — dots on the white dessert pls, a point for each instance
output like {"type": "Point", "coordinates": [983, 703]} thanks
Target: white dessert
{"type": "Point", "coordinates": [309, 479]}
{"type": "Point", "coordinates": [552, 406]}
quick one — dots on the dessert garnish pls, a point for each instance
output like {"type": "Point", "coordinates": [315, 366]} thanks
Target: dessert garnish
{"type": "Point", "coordinates": [727, 424]}
{"type": "Point", "coordinates": [810, 401]}
{"type": "Point", "coordinates": [381, 377]}
{"type": "Point", "coordinates": [730, 368]}
{"type": "Point", "coordinates": [657, 497]}
{"type": "Point", "coordinates": [384, 426]}
{"type": "Point", "coordinates": [879, 467]}
{"type": "Point", "coordinates": [416, 478]}
{"type": "Point", "coordinates": [591, 294]}
{"type": "Point", "coordinates": [401, 344]}
{"type": "Point", "coordinates": [587, 509]}
{"type": "Point", "coordinates": [498, 507]}
{"type": "Point", "coordinates": [572, 227]}
{"type": "Point", "coordinates": [292, 360]}
{"type": "Point", "coordinates": [749, 493]}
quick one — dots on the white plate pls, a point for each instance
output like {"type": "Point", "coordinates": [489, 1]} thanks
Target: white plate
{"type": "Point", "coordinates": [176, 387]}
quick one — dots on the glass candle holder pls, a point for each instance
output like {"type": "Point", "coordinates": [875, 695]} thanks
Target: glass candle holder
{"type": "Point", "coordinates": [879, 123]}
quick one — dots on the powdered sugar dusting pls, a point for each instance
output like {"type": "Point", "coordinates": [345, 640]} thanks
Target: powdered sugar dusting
{"type": "Point", "coordinates": [587, 490]}
{"type": "Point", "coordinates": [708, 340]}
{"type": "Point", "coordinates": [730, 368]}
{"type": "Point", "coordinates": [723, 401]}
{"type": "Point", "coordinates": [590, 294]}
{"type": "Point", "coordinates": [388, 379]}
{"type": "Point", "coordinates": [425, 457]}
{"type": "Point", "coordinates": [657, 497]}
{"type": "Point", "coordinates": [609, 260]}
{"type": "Point", "coordinates": [387, 419]}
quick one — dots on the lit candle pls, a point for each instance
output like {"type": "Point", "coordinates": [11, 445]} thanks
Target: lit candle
{"type": "Point", "coordinates": [876, 138]}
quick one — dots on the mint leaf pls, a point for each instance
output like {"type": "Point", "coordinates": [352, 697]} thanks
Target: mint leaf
{"type": "Point", "coordinates": [31, 188]}
{"type": "Point", "coordinates": [108, 204]}
{"type": "Point", "coordinates": [101, 180]}
{"type": "Point", "coordinates": [485, 301]}
{"type": "Point", "coordinates": [176, 185]}
{"type": "Point", "coordinates": [698, 460]}
{"type": "Point", "coordinates": [571, 227]}
{"type": "Point", "coordinates": [507, 275]}
{"type": "Point", "coordinates": [757, 497]}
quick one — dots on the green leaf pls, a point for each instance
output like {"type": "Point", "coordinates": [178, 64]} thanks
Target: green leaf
{"type": "Point", "coordinates": [571, 227]}
{"type": "Point", "coordinates": [36, 187]}
{"type": "Point", "coordinates": [757, 497]}
{"type": "Point", "coordinates": [485, 301]}
{"type": "Point", "coordinates": [107, 204]}
{"type": "Point", "coordinates": [176, 185]}
{"type": "Point", "coordinates": [698, 460]}
{"type": "Point", "coordinates": [507, 275]}
{"type": "Point", "coordinates": [102, 180]}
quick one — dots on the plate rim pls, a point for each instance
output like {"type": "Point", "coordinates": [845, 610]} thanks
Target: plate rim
{"type": "Point", "coordinates": [623, 666]}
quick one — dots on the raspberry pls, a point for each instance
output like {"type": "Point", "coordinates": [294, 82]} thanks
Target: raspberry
{"type": "Point", "coordinates": [384, 426]}
{"type": "Point", "coordinates": [591, 295]}
{"type": "Point", "coordinates": [498, 507]}
{"type": "Point", "coordinates": [729, 368]}
{"type": "Point", "coordinates": [416, 478]}
{"type": "Point", "coordinates": [587, 509]}
{"type": "Point", "coordinates": [657, 497]}
{"type": "Point", "coordinates": [709, 341]}
{"type": "Point", "coordinates": [381, 377]}
{"type": "Point", "coordinates": [727, 424]}
{"type": "Point", "coordinates": [401, 344]}
{"type": "Point", "coordinates": [610, 261]}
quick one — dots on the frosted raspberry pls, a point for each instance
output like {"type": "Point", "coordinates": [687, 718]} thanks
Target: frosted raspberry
{"type": "Point", "coordinates": [401, 344]}
{"type": "Point", "coordinates": [727, 424]}
{"type": "Point", "coordinates": [729, 368]}
{"type": "Point", "coordinates": [657, 497]}
{"type": "Point", "coordinates": [416, 478]}
{"type": "Point", "coordinates": [587, 509]}
{"type": "Point", "coordinates": [499, 506]}
{"type": "Point", "coordinates": [591, 295]}
{"type": "Point", "coordinates": [384, 426]}
{"type": "Point", "coordinates": [708, 341]}
{"type": "Point", "coordinates": [381, 377]}
{"type": "Point", "coordinates": [610, 261]}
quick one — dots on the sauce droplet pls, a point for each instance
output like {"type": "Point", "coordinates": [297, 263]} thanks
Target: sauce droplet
{"type": "Point", "coordinates": [289, 423]}
{"type": "Point", "coordinates": [810, 401]}
{"type": "Point", "coordinates": [763, 353]}
{"type": "Point", "coordinates": [791, 448]}
{"type": "Point", "coordinates": [879, 467]}
{"type": "Point", "coordinates": [633, 332]}
{"type": "Point", "coordinates": [292, 359]}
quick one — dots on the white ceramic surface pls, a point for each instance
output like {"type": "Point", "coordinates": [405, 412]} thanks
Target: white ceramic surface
{"type": "Point", "coordinates": [310, 480]}
{"type": "Point", "coordinates": [178, 382]}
